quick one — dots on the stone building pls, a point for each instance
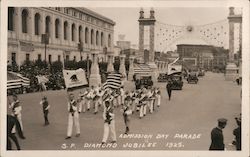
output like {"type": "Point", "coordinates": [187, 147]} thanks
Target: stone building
{"type": "Point", "coordinates": [66, 28]}
{"type": "Point", "coordinates": [202, 56]}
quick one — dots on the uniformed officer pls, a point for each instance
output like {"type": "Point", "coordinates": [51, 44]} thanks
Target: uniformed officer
{"type": "Point", "coordinates": [237, 133]}
{"type": "Point", "coordinates": [217, 139]}
{"type": "Point", "coordinates": [169, 89]}
{"type": "Point", "coordinates": [143, 102]}
{"type": "Point", "coordinates": [109, 122]}
{"type": "Point", "coordinates": [16, 109]}
{"type": "Point", "coordinates": [158, 97]}
{"type": "Point", "coordinates": [73, 117]}
{"type": "Point", "coordinates": [46, 106]}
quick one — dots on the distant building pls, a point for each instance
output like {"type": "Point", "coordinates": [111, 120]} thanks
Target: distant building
{"type": "Point", "coordinates": [202, 56]}
{"type": "Point", "coordinates": [66, 28]}
{"type": "Point", "coordinates": [123, 44]}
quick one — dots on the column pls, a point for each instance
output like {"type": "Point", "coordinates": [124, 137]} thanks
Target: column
{"type": "Point", "coordinates": [122, 69]}
{"type": "Point", "coordinates": [141, 39]}
{"type": "Point", "coordinates": [32, 23]}
{"type": "Point", "coordinates": [52, 29]}
{"type": "Point", "coordinates": [61, 35]}
{"type": "Point", "coordinates": [231, 41]}
{"type": "Point", "coordinates": [131, 68]}
{"type": "Point", "coordinates": [151, 43]}
{"type": "Point", "coordinates": [76, 33]}
{"type": "Point", "coordinates": [110, 67]}
{"type": "Point", "coordinates": [18, 30]}
{"type": "Point", "coordinates": [95, 78]}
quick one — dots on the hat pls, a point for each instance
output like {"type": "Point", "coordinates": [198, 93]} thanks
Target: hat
{"type": "Point", "coordinates": [222, 120]}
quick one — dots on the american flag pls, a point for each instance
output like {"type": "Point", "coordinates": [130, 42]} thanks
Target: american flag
{"type": "Point", "coordinates": [16, 80]}
{"type": "Point", "coordinates": [113, 81]}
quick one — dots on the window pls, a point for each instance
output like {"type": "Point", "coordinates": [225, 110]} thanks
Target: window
{"type": "Point", "coordinates": [81, 58]}
{"type": "Point", "coordinates": [65, 30]}
{"type": "Point", "coordinates": [50, 59]}
{"type": "Point", "coordinates": [11, 17]}
{"type": "Point", "coordinates": [74, 58]}
{"type": "Point", "coordinates": [102, 39]}
{"type": "Point", "coordinates": [39, 57]}
{"type": "Point", "coordinates": [59, 58]}
{"type": "Point", "coordinates": [25, 21]}
{"type": "Point", "coordinates": [80, 33]}
{"type": "Point", "coordinates": [109, 41]}
{"type": "Point", "coordinates": [67, 57]}
{"type": "Point", "coordinates": [27, 57]}
{"type": "Point", "coordinates": [97, 38]}
{"type": "Point", "coordinates": [57, 28]}
{"type": "Point", "coordinates": [73, 32]}
{"type": "Point", "coordinates": [92, 37]}
{"type": "Point", "coordinates": [13, 58]}
{"type": "Point", "coordinates": [86, 35]}
{"type": "Point", "coordinates": [47, 25]}
{"type": "Point", "coordinates": [37, 22]}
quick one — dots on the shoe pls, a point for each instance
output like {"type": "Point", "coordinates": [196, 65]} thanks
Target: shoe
{"type": "Point", "coordinates": [68, 137]}
{"type": "Point", "coordinates": [113, 141]}
{"type": "Point", "coordinates": [77, 135]}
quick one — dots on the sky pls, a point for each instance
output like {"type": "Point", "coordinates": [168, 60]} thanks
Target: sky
{"type": "Point", "coordinates": [126, 19]}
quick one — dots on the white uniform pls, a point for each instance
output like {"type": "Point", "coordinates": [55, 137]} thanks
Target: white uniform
{"type": "Point", "coordinates": [90, 98]}
{"type": "Point", "coordinates": [143, 107]}
{"type": "Point", "coordinates": [108, 125]}
{"type": "Point", "coordinates": [122, 96]}
{"type": "Point", "coordinates": [16, 111]}
{"type": "Point", "coordinates": [151, 101]}
{"type": "Point", "coordinates": [73, 118]}
{"type": "Point", "coordinates": [158, 97]}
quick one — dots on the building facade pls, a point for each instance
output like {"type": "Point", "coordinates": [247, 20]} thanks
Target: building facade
{"type": "Point", "coordinates": [202, 56]}
{"type": "Point", "coordinates": [66, 28]}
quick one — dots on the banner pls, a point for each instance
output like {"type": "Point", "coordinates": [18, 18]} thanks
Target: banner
{"type": "Point", "coordinates": [174, 69]}
{"type": "Point", "coordinates": [74, 78]}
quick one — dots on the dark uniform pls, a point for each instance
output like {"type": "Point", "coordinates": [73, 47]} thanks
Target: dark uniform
{"type": "Point", "coordinates": [169, 89]}
{"type": "Point", "coordinates": [217, 139]}
{"type": "Point", "coordinates": [237, 134]}
{"type": "Point", "coordinates": [45, 104]}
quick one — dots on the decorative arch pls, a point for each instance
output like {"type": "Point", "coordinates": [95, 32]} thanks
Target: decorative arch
{"type": "Point", "coordinates": [86, 35]}
{"type": "Point", "coordinates": [11, 18]}
{"type": "Point", "coordinates": [37, 23]}
{"type": "Point", "coordinates": [25, 15]}
{"type": "Point", "coordinates": [65, 30]}
{"type": "Point", "coordinates": [57, 28]}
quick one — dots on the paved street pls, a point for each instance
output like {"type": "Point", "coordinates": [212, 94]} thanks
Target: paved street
{"type": "Point", "coordinates": [193, 111]}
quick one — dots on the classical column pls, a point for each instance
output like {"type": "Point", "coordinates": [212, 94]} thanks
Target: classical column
{"type": "Point", "coordinates": [131, 68]}
{"type": "Point", "coordinates": [231, 41]}
{"type": "Point", "coordinates": [95, 78]}
{"type": "Point", "coordinates": [141, 39]}
{"type": "Point", "coordinates": [122, 69]}
{"type": "Point", "coordinates": [110, 67]}
{"type": "Point", "coordinates": [18, 30]}
{"type": "Point", "coordinates": [151, 43]}
{"type": "Point", "coordinates": [52, 29]}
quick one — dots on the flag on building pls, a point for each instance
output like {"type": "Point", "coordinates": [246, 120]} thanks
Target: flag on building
{"type": "Point", "coordinates": [74, 78]}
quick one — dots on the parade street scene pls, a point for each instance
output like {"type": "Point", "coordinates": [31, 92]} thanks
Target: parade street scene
{"type": "Point", "coordinates": [124, 78]}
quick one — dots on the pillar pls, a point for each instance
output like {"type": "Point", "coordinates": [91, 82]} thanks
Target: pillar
{"type": "Point", "coordinates": [151, 43]}
{"type": "Point", "coordinates": [131, 68]}
{"type": "Point", "coordinates": [141, 40]}
{"type": "Point", "coordinates": [110, 67]}
{"type": "Point", "coordinates": [95, 78]}
{"type": "Point", "coordinates": [122, 68]}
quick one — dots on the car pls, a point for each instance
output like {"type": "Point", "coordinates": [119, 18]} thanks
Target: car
{"type": "Point", "coordinates": [192, 78]}
{"type": "Point", "coordinates": [177, 82]}
{"type": "Point", "coordinates": [162, 77]}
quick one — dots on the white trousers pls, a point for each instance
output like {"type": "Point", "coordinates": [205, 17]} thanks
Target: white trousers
{"type": "Point", "coordinates": [151, 106]}
{"type": "Point", "coordinates": [143, 110]}
{"type": "Point", "coordinates": [89, 102]}
{"type": "Point", "coordinates": [108, 127]}
{"type": "Point", "coordinates": [73, 120]}
{"type": "Point", "coordinates": [19, 118]}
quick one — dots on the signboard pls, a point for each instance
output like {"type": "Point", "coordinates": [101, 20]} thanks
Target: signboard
{"type": "Point", "coordinates": [74, 78]}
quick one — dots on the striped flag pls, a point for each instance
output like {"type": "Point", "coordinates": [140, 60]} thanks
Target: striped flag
{"type": "Point", "coordinates": [16, 80]}
{"type": "Point", "coordinates": [113, 81]}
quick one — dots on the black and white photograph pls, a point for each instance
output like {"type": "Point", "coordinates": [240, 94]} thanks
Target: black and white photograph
{"type": "Point", "coordinates": [143, 77]}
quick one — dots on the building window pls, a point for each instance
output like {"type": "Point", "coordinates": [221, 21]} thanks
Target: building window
{"type": "Point", "coordinates": [59, 58]}
{"type": "Point", "coordinates": [65, 30]}
{"type": "Point", "coordinates": [47, 25]}
{"type": "Point", "coordinates": [73, 32]}
{"type": "Point", "coordinates": [57, 28]}
{"type": "Point", "coordinates": [13, 57]}
{"type": "Point", "coordinates": [50, 59]}
{"type": "Point", "coordinates": [92, 37]}
{"type": "Point", "coordinates": [102, 39]}
{"type": "Point", "coordinates": [74, 58]}
{"type": "Point", "coordinates": [39, 57]}
{"type": "Point", "coordinates": [27, 57]}
{"type": "Point", "coordinates": [25, 21]}
{"type": "Point", "coordinates": [109, 40]}
{"type": "Point", "coordinates": [80, 33]}
{"type": "Point", "coordinates": [11, 18]}
{"type": "Point", "coordinates": [67, 57]}
{"type": "Point", "coordinates": [86, 35]}
{"type": "Point", "coordinates": [37, 24]}
{"type": "Point", "coordinates": [80, 16]}
{"type": "Point", "coordinates": [81, 58]}
{"type": "Point", "coordinates": [97, 38]}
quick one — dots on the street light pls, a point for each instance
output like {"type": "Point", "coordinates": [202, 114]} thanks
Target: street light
{"type": "Point", "coordinates": [45, 41]}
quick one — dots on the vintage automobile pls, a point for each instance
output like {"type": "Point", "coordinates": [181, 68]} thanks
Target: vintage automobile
{"type": "Point", "coordinates": [192, 78]}
{"type": "Point", "coordinates": [143, 81]}
{"type": "Point", "coordinates": [162, 77]}
{"type": "Point", "coordinates": [177, 82]}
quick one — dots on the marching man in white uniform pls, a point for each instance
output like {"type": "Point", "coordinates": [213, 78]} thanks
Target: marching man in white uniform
{"type": "Point", "coordinates": [143, 103]}
{"type": "Point", "coordinates": [16, 110]}
{"type": "Point", "coordinates": [73, 117]}
{"type": "Point", "coordinates": [109, 122]}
